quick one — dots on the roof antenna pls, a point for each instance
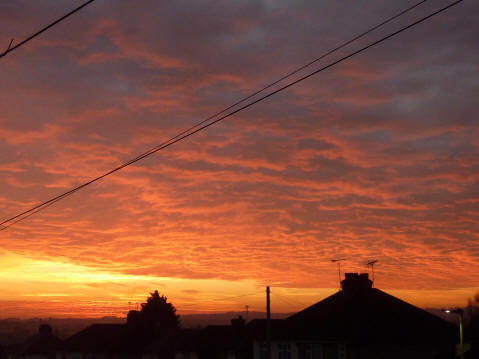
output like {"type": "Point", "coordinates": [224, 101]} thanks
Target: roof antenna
{"type": "Point", "coordinates": [339, 268]}
{"type": "Point", "coordinates": [371, 264]}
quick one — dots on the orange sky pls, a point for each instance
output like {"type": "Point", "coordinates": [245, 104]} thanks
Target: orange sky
{"type": "Point", "coordinates": [377, 158]}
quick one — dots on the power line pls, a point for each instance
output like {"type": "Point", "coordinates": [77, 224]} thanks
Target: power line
{"type": "Point", "coordinates": [188, 133]}
{"type": "Point", "coordinates": [240, 296]}
{"type": "Point", "coordinates": [38, 207]}
{"type": "Point", "coordinates": [10, 48]}
{"type": "Point", "coordinates": [198, 128]}
{"type": "Point", "coordinates": [288, 300]}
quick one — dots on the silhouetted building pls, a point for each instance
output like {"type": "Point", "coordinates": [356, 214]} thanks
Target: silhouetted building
{"type": "Point", "coordinates": [44, 345]}
{"type": "Point", "coordinates": [109, 341]}
{"type": "Point", "coordinates": [97, 340]}
{"type": "Point", "coordinates": [131, 341]}
{"type": "Point", "coordinates": [358, 321]}
{"type": "Point", "coordinates": [211, 342]}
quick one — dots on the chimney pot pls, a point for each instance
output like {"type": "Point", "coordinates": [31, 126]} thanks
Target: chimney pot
{"type": "Point", "coordinates": [353, 282]}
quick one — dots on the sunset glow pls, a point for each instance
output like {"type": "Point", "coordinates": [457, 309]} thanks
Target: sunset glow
{"type": "Point", "coordinates": [376, 158]}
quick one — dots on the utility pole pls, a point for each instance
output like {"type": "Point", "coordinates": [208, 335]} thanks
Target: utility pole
{"type": "Point", "coordinates": [339, 268]}
{"type": "Point", "coordinates": [247, 311]}
{"type": "Point", "coordinates": [268, 324]}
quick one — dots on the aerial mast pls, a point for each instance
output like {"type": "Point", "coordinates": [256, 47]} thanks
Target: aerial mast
{"type": "Point", "coordinates": [371, 264]}
{"type": "Point", "coordinates": [339, 268]}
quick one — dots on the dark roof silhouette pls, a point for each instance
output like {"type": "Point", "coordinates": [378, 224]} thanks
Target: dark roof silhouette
{"type": "Point", "coordinates": [111, 338]}
{"type": "Point", "coordinates": [186, 340]}
{"type": "Point", "coordinates": [360, 313]}
{"type": "Point", "coordinates": [217, 337]}
{"type": "Point", "coordinates": [371, 314]}
{"type": "Point", "coordinates": [98, 338]}
{"type": "Point", "coordinates": [211, 342]}
{"type": "Point", "coordinates": [44, 343]}
{"type": "Point", "coordinates": [256, 328]}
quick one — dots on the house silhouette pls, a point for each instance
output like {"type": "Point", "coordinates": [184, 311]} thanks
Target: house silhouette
{"type": "Point", "coordinates": [44, 345]}
{"type": "Point", "coordinates": [358, 321]}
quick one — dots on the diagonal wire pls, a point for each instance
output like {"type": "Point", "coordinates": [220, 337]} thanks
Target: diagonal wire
{"type": "Point", "coordinates": [188, 134]}
{"type": "Point", "coordinates": [240, 296]}
{"type": "Point", "coordinates": [11, 48]}
{"type": "Point", "coordinates": [160, 146]}
{"type": "Point", "coordinates": [287, 299]}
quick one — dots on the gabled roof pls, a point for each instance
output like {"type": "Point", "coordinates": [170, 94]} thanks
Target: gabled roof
{"type": "Point", "coordinates": [44, 343]}
{"type": "Point", "coordinates": [373, 315]}
{"type": "Point", "coordinates": [99, 338]}
{"type": "Point", "coordinates": [111, 338]}
{"type": "Point", "coordinates": [208, 339]}
{"type": "Point", "coordinates": [360, 313]}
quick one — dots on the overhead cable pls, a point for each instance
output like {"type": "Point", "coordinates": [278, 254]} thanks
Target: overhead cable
{"type": "Point", "coordinates": [10, 48]}
{"type": "Point", "coordinates": [5, 224]}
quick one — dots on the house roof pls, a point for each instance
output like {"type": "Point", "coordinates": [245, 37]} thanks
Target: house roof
{"type": "Point", "coordinates": [182, 339]}
{"type": "Point", "coordinates": [217, 337]}
{"type": "Point", "coordinates": [373, 315]}
{"type": "Point", "coordinates": [360, 313]}
{"type": "Point", "coordinates": [111, 338]}
{"type": "Point", "coordinates": [44, 343]}
{"type": "Point", "coordinates": [210, 342]}
{"type": "Point", "coordinates": [95, 338]}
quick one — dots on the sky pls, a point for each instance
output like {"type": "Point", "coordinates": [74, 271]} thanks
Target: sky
{"type": "Point", "coordinates": [374, 158]}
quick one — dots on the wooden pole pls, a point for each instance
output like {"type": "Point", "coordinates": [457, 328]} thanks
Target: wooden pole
{"type": "Point", "coordinates": [268, 324]}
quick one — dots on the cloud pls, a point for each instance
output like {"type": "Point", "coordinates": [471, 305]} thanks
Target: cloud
{"type": "Point", "coordinates": [374, 158]}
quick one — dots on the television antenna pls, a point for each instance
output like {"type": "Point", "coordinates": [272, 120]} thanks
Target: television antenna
{"type": "Point", "coordinates": [371, 264]}
{"type": "Point", "coordinates": [339, 268]}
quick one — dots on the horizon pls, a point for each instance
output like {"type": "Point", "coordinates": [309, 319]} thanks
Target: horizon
{"type": "Point", "coordinates": [284, 301]}
{"type": "Point", "coordinates": [440, 312]}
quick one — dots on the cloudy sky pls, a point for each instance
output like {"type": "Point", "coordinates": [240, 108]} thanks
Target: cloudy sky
{"type": "Point", "coordinates": [375, 158]}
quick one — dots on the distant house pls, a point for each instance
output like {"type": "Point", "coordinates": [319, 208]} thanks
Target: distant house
{"type": "Point", "coordinates": [44, 345]}
{"type": "Point", "coordinates": [211, 342]}
{"type": "Point", "coordinates": [107, 341]}
{"type": "Point", "coordinates": [129, 340]}
{"type": "Point", "coordinates": [95, 341]}
{"type": "Point", "coordinates": [358, 321]}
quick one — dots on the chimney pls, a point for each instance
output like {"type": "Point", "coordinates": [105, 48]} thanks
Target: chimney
{"type": "Point", "coordinates": [238, 323]}
{"type": "Point", "coordinates": [354, 282]}
{"type": "Point", "coordinates": [45, 329]}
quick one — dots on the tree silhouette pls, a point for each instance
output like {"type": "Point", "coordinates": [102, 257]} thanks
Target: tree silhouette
{"type": "Point", "coordinates": [474, 301]}
{"type": "Point", "coordinates": [158, 312]}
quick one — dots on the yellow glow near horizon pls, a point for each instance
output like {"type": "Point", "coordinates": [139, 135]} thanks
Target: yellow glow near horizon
{"type": "Point", "coordinates": [33, 287]}
{"type": "Point", "coordinates": [54, 281]}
